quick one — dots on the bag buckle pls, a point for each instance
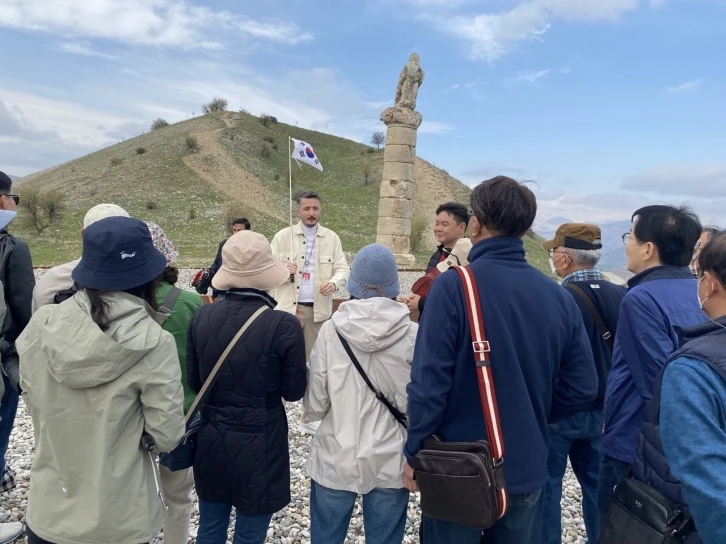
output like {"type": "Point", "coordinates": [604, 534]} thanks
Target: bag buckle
{"type": "Point", "coordinates": [481, 347]}
{"type": "Point", "coordinates": [607, 336]}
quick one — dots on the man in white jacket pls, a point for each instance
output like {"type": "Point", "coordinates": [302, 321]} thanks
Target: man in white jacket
{"type": "Point", "coordinates": [315, 258]}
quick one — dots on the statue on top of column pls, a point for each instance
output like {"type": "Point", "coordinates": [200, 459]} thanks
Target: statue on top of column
{"type": "Point", "coordinates": [408, 83]}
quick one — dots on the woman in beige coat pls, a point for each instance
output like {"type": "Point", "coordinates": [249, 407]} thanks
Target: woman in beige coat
{"type": "Point", "coordinates": [97, 372]}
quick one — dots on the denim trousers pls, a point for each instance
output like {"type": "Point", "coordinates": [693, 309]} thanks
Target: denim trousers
{"type": "Point", "coordinates": [214, 522]}
{"type": "Point", "coordinates": [8, 409]}
{"type": "Point", "coordinates": [384, 514]}
{"type": "Point", "coordinates": [521, 525]}
{"type": "Point", "coordinates": [578, 437]}
{"type": "Point", "coordinates": [612, 472]}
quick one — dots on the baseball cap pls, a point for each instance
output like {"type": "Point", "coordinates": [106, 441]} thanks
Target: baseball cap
{"type": "Point", "coordinates": [575, 236]}
{"type": "Point", "coordinates": [102, 211]}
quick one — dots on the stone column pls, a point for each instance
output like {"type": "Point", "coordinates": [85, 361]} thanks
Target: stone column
{"type": "Point", "coordinates": [395, 210]}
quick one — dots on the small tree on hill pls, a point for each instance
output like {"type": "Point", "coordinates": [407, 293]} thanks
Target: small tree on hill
{"type": "Point", "coordinates": [367, 169]}
{"type": "Point", "coordinates": [44, 208]}
{"type": "Point", "coordinates": [378, 139]}
{"type": "Point", "coordinates": [217, 104]}
{"type": "Point", "coordinates": [159, 123]}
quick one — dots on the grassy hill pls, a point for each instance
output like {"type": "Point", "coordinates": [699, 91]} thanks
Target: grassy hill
{"type": "Point", "coordinates": [236, 162]}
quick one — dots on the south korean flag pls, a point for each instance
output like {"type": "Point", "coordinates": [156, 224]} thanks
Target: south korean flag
{"type": "Point", "coordinates": [303, 152]}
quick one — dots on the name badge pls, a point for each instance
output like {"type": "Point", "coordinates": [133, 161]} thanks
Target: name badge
{"type": "Point", "coordinates": [306, 278]}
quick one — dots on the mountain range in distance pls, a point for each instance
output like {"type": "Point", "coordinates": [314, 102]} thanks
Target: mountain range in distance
{"type": "Point", "coordinates": [613, 257]}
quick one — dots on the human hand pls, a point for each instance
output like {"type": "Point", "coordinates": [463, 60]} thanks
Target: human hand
{"type": "Point", "coordinates": [292, 267]}
{"type": "Point", "coordinates": [327, 289]}
{"type": "Point", "coordinates": [412, 302]}
{"type": "Point", "coordinates": [408, 478]}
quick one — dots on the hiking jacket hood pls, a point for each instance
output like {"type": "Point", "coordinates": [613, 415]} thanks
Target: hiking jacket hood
{"type": "Point", "coordinates": [359, 445]}
{"type": "Point", "coordinates": [91, 395]}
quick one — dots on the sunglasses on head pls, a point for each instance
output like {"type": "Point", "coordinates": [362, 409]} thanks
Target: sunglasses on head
{"type": "Point", "coordinates": [16, 198]}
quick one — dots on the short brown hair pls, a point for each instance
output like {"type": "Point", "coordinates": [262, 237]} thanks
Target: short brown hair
{"type": "Point", "coordinates": [504, 206]}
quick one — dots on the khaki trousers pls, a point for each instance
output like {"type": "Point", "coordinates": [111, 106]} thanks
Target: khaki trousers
{"type": "Point", "coordinates": [177, 487]}
{"type": "Point", "coordinates": [306, 314]}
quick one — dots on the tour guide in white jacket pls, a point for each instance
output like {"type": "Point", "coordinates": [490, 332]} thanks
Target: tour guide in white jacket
{"type": "Point", "coordinates": [359, 446]}
{"type": "Point", "coordinates": [317, 263]}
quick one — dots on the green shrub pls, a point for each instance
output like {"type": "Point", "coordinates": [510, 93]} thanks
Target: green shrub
{"type": "Point", "coordinates": [217, 104]}
{"type": "Point", "coordinates": [191, 143]}
{"type": "Point", "coordinates": [140, 150]}
{"type": "Point", "coordinates": [419, 227]}
{"type": "Point", "coordinates": [159, 123]}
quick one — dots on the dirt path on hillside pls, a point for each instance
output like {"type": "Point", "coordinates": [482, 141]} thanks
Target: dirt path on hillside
{"type": "Point", "coordinates": [214, 164]}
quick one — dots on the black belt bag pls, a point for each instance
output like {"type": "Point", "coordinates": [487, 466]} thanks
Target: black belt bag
{"type": "Point", "coordinates": [464, 482]}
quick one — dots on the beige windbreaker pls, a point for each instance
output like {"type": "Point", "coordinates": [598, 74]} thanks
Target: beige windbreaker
{"type": "Point", "coordinates": [91, 395]}
{"type": "Point", "coordinates": [330, 266]}
{"type": "Point", "coordinates": [359, 445]}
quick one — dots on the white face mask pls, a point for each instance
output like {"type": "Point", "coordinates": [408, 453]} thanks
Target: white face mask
{"type": "Point", "coordinates": [553, 268]}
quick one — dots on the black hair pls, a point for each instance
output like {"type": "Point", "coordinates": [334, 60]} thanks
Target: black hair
{"type": "Point", "coordinates": [504, 206]}
{"type": "Point", "coordinates": [673, 230]}
{"type": "Point", "coordinates": [6, 184]}
{"type": "Point", "coordinates": [307, 194]}
{"type": "Point", "coordinates": [713, 257]}
{"type": "Point", "coordinates": [243, 221]}
{"type": "Point", "coordinates": [455, 210]}
{"type": "Point", "coordinates": [100, 306]}
{"type": "Point", "coordinates": [170, 275]}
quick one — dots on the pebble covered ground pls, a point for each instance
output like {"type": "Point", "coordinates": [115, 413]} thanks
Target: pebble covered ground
{"type": "Point", "coordinates": [291, 525]}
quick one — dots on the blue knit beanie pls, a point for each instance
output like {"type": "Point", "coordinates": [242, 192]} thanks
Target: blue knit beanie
{"type": "Point", "coordinates": [374, 273]}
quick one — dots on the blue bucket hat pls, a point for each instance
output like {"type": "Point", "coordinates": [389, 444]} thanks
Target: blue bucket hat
{"type": "Point", "coordinates": [374, 273]}
{"type": "Point", "coordinates": [118, 255]}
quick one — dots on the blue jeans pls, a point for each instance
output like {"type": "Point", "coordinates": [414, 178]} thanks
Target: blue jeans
{"type": "Point", "coordinates": [214, 522]}
{"type": "Point", "coordinates": [8, 409]}
{"type": "Point", "coordinates": [384, 514]}
{"type": "Point", "coordinates": [578, 437]}
{"type": "Point", "coordinates": [521, 525]}
{"type": "Point", "coordinates": [612, 472]}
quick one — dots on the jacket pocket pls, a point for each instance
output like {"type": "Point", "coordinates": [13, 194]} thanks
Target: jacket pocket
{"type": "Point", "coordinates": [325, 267]}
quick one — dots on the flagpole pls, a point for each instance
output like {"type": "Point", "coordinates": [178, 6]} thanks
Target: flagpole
{"type": "Point", "coordinates": [292, 237]}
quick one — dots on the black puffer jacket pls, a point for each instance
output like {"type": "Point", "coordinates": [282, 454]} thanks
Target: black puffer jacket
{"type": "Point", "coordinates": [243, 456]}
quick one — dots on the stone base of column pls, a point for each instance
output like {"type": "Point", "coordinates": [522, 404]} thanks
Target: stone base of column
{"type": "Point", "coordinates": [405, 260]}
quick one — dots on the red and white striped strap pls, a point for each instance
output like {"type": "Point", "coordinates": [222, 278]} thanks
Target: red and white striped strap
{"type": "Point", "coordinates": [487, 393]}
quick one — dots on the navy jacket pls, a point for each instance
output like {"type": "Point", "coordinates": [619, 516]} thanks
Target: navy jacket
{"type": "Point", "coordinates": [606, 297]}
{"type": "Point", "coordinates": [658, 300]}
{"type": "Point", "coordinates": [540, 355]}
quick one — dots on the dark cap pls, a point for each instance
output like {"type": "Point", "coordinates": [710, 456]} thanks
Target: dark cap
{"type": "Point", "coordinates": [118, 254]}
{"type": "Point", "coordinates": [576, 236]}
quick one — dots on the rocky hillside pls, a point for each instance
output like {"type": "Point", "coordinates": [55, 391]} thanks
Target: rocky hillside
{"type": "Point", "coordinates": [186, 176]}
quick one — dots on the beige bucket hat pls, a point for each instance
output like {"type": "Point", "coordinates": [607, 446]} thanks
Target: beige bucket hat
{"type": "Point", "coordinates": [248, 263]}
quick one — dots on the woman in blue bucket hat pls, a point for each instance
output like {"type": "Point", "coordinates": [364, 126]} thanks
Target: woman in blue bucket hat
{"type": "Point", "coordinates": [97, 373]}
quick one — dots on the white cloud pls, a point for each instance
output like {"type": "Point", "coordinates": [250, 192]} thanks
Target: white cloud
{"type": "Point", "coordinates": [491, 35]}
{"type": "Point", "coordinates": [700, 180]}
{"type": "Point", "coordinates": [687, 87]}
{"type": "Point", "coordinates": [434, 127]}
{"type": "Point", "coordinates": [76, 48]}
{"type": "Point", "coordinates": [158, 22]}
{"type": "Point", "coordinates": [531, 77]}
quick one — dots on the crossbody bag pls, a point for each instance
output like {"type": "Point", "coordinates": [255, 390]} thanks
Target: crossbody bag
{"type": "Point", "coordinates": [464, 482]}
{"type": "Point", "coordinates": [395, 412]}
{"type": "Point", "coordinates": [607, 336]}
{"type": "Point", "coordinates": [182, 457]}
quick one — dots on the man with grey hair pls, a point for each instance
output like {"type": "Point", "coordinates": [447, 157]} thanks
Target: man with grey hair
{"type": "Point", "coordinates": [574, 255]}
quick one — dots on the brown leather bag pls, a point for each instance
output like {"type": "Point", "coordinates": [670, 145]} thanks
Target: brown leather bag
{"type": "Point", "coordinates": [464, 482]}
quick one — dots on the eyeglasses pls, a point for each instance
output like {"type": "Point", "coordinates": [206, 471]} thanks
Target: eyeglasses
{"type": "Point", "coordinates": [16, 198]}
{"type": "Point", "coordinates": [626, 237]}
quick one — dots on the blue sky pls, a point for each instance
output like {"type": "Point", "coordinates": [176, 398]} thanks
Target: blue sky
{"type": "Point", "coordinates": [607, 104]}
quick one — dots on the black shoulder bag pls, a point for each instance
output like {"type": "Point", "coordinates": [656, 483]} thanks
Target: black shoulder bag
{"type": "Point", "coordinates": [606, 334]}
{"type": "Point", "coordinates": [395, 412]}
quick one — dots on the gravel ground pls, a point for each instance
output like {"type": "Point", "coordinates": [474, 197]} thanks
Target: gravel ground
{"type": "Point", "coordinates": [291, 525]}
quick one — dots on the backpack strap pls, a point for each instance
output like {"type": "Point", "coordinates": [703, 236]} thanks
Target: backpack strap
{"type": "Point", "coordinates": [168, 305]}
{"type": "Point", "coordinates": [484, 374]}
{"type": "Point", "coordinates": [606, 334]}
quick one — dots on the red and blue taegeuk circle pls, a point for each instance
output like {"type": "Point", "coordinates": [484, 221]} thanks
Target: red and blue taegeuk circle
{"type": "Point", "coordinates": [309, 153]}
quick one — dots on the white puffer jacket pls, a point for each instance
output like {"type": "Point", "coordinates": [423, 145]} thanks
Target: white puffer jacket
{"type": "Point", "coordinates": [359, 445]}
